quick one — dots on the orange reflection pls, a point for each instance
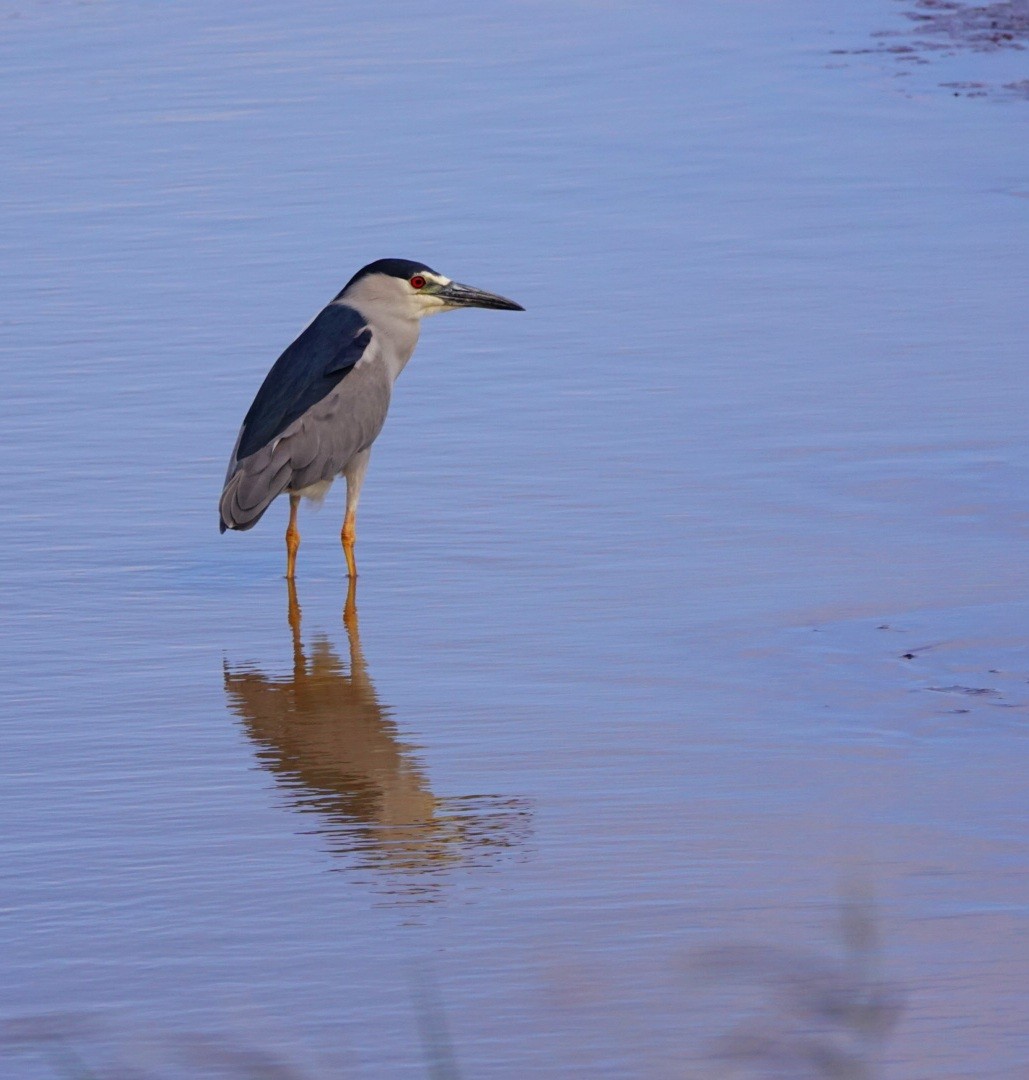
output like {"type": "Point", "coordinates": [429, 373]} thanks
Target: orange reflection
{"type": "Point", "coordinates": [327, 739]}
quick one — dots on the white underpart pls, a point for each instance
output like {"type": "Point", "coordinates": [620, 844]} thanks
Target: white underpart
{"type": "Point", "coordinates": [315, 492]}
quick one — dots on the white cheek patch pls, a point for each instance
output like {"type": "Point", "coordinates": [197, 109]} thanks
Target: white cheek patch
{"type": "Point", "coordinates": [433, 305]}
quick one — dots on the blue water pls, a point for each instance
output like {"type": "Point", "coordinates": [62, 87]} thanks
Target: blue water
{"type": "Point", "coordinates": [692, 601]}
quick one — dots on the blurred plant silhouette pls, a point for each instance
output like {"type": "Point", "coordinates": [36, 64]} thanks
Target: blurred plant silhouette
{"type": "Point", "coordinates": [788, 1014]}
{"type": "Point", "coordinates": [808, 1016]}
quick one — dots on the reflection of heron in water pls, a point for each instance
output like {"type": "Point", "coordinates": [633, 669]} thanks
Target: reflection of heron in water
{"type": "Point", "coordinates": [326, 738]}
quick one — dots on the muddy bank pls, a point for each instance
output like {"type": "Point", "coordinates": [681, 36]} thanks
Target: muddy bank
{"type": "Point", "coordinates": [938, 30]}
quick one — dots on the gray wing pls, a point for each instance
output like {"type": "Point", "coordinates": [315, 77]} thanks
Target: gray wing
{"type": "Point", "coordinates": [319, 406]}
{"type": "Point", "coordinates": [304, 374]}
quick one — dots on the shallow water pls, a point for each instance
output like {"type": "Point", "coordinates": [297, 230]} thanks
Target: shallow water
{"type": "Point", "coordinates": [693, 601]}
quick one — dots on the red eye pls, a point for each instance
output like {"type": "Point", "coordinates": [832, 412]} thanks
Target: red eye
{"type": "Point", "coordinates": [418, 282]}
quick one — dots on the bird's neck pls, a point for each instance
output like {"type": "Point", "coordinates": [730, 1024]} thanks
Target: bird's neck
{"type": "Point", "coordinates": [397, 334]}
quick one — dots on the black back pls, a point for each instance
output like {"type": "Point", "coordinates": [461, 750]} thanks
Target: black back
{"type": "Point", "coordinates": [306, 372]}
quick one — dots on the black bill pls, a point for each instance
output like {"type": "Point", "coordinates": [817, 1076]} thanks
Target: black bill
{"type": "Point", "coordinates": [466, 296]}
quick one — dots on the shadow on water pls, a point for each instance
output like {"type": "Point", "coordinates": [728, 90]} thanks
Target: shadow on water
{"type": "Point", "coordinates": [335, 748]}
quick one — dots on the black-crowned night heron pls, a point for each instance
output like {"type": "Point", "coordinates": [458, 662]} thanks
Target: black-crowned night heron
{"type": "Point", "coordinates": [325, 399]}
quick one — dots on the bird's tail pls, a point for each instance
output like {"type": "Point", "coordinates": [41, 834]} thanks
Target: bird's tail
{"type": "Point", "coordinates": [250, 489]}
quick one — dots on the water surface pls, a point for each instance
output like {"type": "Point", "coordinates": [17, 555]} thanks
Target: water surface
{"type": "Point", "coordinates": [692, 609]}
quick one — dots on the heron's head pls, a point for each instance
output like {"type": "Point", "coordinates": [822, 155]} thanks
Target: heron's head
{"type": "Point", "coordinates": [413, 290]}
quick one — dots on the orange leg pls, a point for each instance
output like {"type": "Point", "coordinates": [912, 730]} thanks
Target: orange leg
{"type": "Point", "coordinates": [348, 536]}
{"type": "Point", "coordinates": [354, 473]}
{"type": "Point", "coordinates": [292, 537]}
{"type": "Point", "coordinates": [350, 607]}
{"type": "Point", "coordinates": [294, 615]}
